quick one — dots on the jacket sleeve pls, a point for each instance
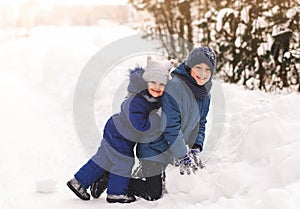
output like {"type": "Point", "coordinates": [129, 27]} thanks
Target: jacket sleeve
{"type": "Point", "coordinates": [201, 132]}
{"type": "Point", "coordinates": [141, 118]}
{"type": "Point", "coordinates": [172, 131]}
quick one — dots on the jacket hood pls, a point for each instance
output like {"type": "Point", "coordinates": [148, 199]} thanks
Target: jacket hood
{"type": "Point", "coordinates": [180, 70]}
{"type": "Point", "coordinates": [136, 81]}
{"type": "Point", "coordinates": [200, 92]}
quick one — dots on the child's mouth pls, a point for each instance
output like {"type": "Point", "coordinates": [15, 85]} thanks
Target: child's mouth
{"type": "Point", "coordinates": [201, 78]}
{"type": "Point", "coordinates": [156, 91]}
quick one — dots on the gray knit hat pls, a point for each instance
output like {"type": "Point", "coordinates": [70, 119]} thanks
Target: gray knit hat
{"type": "Point", "coordinates": [202, 55]}
{"type": "Point", "coordinates": [157, 71]}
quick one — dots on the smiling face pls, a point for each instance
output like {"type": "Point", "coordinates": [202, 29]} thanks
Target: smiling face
{"type": "Point", "coordinates": [201, 73]}
{"type": "Point", "coordinates": [155, 89]}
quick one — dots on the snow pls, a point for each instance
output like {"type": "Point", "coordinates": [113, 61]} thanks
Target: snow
{"type": "Point", "coordinates": [255, 165]}
{"type": "Point", "coordinates": [238, 42]}
{"type": "Point", "coordinates": [45, 186]}
{"type": "Point", "coordinates": [223, 13]}
{"type": "Point", "coordinates": [241, 29]}
{"type": "Point", "coordinates": [259, 23]}
{"type": "Point", "coordinates": [276, 199]}
{"type": "Point", "coordinates": [245, 14]}
{"type": "Point", "coordinates": [265, 47]}
{"type": "Point", "coordinates": [276, 9]}
{"type": "Point", "coordinates": [291, 13]}
{"type": "Point", "coordinates": [281, 28]}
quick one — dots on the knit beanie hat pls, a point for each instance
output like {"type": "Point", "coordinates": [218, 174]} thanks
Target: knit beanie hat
{"type": "Point", "coordinates": [157, 71]}
{"type": "Point", "coordinates": [202, 55]}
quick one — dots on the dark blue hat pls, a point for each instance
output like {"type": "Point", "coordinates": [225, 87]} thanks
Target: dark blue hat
{"type": "Point", "coordinates": [202, 54]}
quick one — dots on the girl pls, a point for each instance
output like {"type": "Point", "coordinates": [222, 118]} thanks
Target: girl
{"type": "Point", "coordinates": [138, 119]}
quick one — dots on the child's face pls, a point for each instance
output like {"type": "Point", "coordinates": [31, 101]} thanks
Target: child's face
{"type": "Point", "coordinates": [155, 89]}
{"type": "Point", "coordinates": [201, 73]}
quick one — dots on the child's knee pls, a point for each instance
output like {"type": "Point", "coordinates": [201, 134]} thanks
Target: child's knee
{"type": "Point", "coordinates": [154, 193]}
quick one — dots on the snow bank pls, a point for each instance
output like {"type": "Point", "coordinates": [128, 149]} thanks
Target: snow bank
{"type": "Point", "coordinates": [262, 135]}
{"type": "Point", "coordinates": [283, 164]}
{"type": "Point", "coordinates": [276, 199]}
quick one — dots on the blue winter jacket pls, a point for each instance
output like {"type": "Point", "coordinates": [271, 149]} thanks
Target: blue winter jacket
{"type": "Point", "coordinates": [137, 119]}
{"type": "Point", "coordinates": [184, 121]}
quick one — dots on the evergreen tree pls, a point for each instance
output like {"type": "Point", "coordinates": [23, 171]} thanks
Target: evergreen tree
{"type": "Point", "coordinates": [257, 42]}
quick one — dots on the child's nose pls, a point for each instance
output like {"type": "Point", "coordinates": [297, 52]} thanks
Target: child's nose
{"type": "Point", "coordinates": [157, 86]}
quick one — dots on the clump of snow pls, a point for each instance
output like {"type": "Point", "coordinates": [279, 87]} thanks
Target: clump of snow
{"type": "Point", "coordinates": [223, 13]}
{"type": "Point", "coordinates": [291, 13]}
{"type": "Point", "coordinates": [281, 28]}
{"type": "Point", "coordinates": [258, 23]}
{"type": "Point", "coordinates": [241, 29]}
{"type": "Point", "coordinates": [238, 42]}
{"type": "Point", "coordinates": [275, 9]}
{"type": "Point", "coordinates": [264, 48]}
{"type": "Point", "coordinates": [45, 186]}
{"type": "Point", "coordinates": [245, 14]}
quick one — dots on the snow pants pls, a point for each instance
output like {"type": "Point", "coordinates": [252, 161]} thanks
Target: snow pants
{"type": "Point", "coordinates": [107, 159]}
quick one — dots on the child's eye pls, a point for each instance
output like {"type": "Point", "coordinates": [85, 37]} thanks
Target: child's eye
{"type": "Point", "coordinates": [162, 85]}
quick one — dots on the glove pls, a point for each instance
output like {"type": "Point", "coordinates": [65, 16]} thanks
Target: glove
{"type": "Point", "coordinates": [186, 164]}
{"type": "Point", "coordinates": [195, 156]}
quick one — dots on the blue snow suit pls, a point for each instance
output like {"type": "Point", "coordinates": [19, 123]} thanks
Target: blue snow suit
{"type": "Point", "coordinates": [184, 121]}
{"type": "Point", "coordinates": [137, 119]}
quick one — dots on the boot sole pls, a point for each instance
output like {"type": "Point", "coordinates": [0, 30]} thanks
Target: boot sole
{"type": "Point", "coordinates": [119, 201]}
{"type": "Point", "coordinates": [76, 192]}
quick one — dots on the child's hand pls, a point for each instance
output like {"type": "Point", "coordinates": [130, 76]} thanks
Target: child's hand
{"type": "Point", "coordinates": [195, 155]}
{"type": "Point", "coordinates": [186, 164]}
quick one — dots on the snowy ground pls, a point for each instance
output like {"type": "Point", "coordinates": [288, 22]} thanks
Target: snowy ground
{"type": "Point", "coordinates": [256, 165]}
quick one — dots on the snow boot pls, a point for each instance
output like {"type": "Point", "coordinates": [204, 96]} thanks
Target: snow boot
{"type": "Point", "coordinates": [111, 198]}
{"type": "Point", "coordinates": [99, 186]}
{"type": "Point", "coordinates": [78, 189]}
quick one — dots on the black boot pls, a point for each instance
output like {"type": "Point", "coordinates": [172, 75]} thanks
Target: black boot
{"type": "Point", "coordinates": [99, 186]}
{"type": "Point", "coordinates": [78, 189]}
{"type": "Point", "coordinates": [163, 178]}
{"type": "Point", "coordinates": [111, 198]}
